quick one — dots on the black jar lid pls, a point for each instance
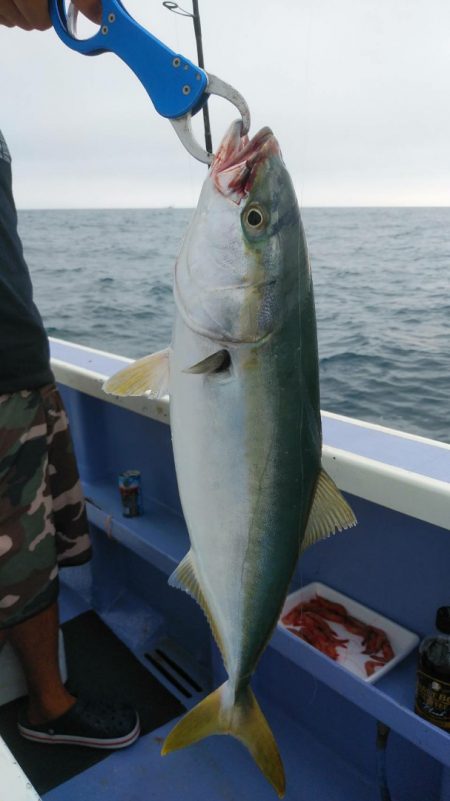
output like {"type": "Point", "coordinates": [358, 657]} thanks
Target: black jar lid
{"type": "Point", "coordinates": [443, 619]}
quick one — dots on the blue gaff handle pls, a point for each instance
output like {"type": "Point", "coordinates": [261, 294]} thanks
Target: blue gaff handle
{"type": "Point", "coordinates": [175, 85]}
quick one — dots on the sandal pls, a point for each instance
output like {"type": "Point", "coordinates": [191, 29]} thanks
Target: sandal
{"type": "Point", "coordinates": [95, 724]}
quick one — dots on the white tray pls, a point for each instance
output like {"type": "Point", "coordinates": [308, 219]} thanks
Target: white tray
{"type": "Point", "coordinates": [351, 657]}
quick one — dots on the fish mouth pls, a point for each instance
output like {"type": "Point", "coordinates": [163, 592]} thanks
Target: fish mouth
{"type": "Point", "coordinates": [238, 159]}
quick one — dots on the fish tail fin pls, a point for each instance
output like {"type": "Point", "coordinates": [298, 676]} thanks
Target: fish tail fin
{"type": "Point", "coordinates": [222, 713]}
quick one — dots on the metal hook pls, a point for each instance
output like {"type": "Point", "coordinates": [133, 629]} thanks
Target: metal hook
{"type": "Point", "coordinates": [182, 125]}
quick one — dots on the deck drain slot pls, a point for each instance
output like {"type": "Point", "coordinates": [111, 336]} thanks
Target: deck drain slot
{"type": "Point", "coordinates": [178, 669]}
{"type": "Point", "coordinates": [170, 678]}
{"type": "Point", "coordinates": [165, 662]}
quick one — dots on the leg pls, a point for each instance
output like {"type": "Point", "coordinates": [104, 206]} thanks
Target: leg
{"type": "Point", "coordinates": [38, 481]}
{"type": "Point", "coordinates": [36, 643]}
{"type": "Point", "coordinates": [28, 574]}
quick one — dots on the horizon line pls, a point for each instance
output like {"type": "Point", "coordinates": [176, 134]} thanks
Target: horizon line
{"type": "Point", "coordinates": [189, 208]}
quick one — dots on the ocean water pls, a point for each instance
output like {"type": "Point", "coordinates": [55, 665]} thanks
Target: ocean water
{"type": "Point", "coordinates": [382, 290]}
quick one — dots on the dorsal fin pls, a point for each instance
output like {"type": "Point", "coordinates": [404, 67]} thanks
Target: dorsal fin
{"type": "Point", "coordinates": [329, 513]}
{"type": "Point", "coordinates": [185, 578]}
{"type": "Point", "coordinates": [147, 376]}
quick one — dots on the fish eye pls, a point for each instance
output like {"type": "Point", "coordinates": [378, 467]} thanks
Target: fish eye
{"type": "Point", "coordinates": [254, 217]}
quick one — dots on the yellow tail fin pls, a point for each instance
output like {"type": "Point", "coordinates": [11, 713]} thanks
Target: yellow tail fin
{"type": "Point", "coordinates": [241, 717]}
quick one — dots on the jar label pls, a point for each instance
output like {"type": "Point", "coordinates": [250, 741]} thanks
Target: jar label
{"type": "Point", "coordinates": [433, 700]}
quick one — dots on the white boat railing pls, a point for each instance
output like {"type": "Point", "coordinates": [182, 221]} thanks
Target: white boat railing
{"type": "Point", "coordinates": [411, 492]}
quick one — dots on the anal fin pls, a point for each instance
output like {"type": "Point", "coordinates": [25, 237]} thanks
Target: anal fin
{"type": "Point", "coordinates": [329, 513]}
{"type": "Point", "coordinates": [185, 578]}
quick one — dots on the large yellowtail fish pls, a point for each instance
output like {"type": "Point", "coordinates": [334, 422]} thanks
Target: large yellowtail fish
{"type": "Point", "coordinates": [242, 374]}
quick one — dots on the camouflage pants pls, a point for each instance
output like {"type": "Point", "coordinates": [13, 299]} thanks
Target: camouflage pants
{"type": "Point", "coordinates": [42, 516]}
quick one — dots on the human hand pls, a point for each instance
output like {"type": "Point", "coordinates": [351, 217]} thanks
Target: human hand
{"type": "Point", "coordinates": [33, 14]}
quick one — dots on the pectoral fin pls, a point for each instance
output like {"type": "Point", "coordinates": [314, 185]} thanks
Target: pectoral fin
{"type": "Point", "coordinates": [147, 376]}
{"type": "Point", "coordinates": [215, 363]}
{"type": "Point", "coordinates": [329, 513]}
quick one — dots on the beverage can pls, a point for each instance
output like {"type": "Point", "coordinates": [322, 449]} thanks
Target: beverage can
{"type": "Point", "coordinates": [131, 493]}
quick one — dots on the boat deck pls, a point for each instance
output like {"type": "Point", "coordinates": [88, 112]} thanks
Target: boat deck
{"type": "Point", "coordinates": [204, 770]}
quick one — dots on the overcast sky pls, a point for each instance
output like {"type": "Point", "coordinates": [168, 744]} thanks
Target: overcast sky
{"type": "Point", "coordinates": [357, 92]}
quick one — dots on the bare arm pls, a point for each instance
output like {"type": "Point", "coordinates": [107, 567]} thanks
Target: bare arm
{"type": "Point", "coordinates": [33, 14]}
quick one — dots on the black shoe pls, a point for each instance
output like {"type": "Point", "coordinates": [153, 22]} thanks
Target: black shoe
{"type": "Point", "coordinates": [95, 724]}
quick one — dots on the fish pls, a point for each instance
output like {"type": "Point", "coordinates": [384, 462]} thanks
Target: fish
{"type": "Point", "coordinates": [243, 380]}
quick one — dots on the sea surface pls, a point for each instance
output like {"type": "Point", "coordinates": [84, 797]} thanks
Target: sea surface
{"type": "Point", "coordinates": [382, 290]}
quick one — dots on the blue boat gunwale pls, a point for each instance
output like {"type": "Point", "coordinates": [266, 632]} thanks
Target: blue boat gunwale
{"type": "Point", "coordinates": [404, 472]}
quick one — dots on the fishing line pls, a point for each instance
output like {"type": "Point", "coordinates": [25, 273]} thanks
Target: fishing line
{"type": "Point", "coordinates": [172, 6]}
{"type": "Point", "coordinates": [382, 738]}
{"type": "Point", "coordinates": [169, 6]}
{"type": "Point", "coordinates": [306, 103]}
{"type": "Point", "coordinates": [312, 697]}
{"type": "Point", "coordinates": [195, 16]}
